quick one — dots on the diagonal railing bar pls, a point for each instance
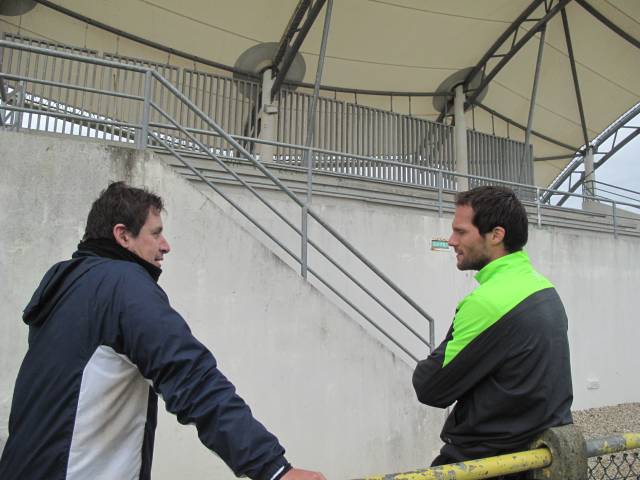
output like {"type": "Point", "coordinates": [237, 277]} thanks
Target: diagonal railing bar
{"type": "Point", "coordinates": [73, 116]}
{"type": "Point", "coordinates": [320, 278]}
{"type": "Point", "coordinates": [283, 218]}
{"type": "Point", "coordinates": [257, 224]}
{"type": "Point", "coordinates": [293, 197]}
{"type": "Point", "coordinates": [79, 88]}
{"type": "Point", "coordinates": [143, 132]}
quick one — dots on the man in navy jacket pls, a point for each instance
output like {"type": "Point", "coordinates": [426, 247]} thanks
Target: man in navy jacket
{"type": "Point", "coordinates": [104, 342]}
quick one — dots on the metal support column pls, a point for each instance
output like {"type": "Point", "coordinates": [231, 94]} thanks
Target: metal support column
{"type": "Point", "coordinates": [268, 119]}
{"type": "Point", "coordinates": [534, 94]}
{"type": "Point", "coordinates": [460, 134]}
{"type": "Point", "coordinates": [141, 142]}
{"type": "Point", "coordinates": [574, 74]}
{"type": "Point", "coordinates": [589, 173]}
{"type": "Point", "coordinates": [311, 126]}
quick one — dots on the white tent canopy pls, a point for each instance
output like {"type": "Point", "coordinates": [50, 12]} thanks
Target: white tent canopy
{"type": "Point", "coordinates": [402, 46]}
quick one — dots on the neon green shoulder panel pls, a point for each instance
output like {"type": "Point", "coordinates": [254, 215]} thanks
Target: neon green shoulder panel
{"type": "Point", "coordinates": [504, 283]}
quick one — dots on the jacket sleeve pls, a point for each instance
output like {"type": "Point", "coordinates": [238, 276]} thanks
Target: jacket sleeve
{"type": "Point", "coordinates": [443, 377]}
{"type": "Point", "coordinates": [184, 372]}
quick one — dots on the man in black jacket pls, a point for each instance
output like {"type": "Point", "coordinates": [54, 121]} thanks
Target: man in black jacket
{"type": "Point", "coordinates": [104, 342]}
{"type": "Point", "coordinates": [505, 359]}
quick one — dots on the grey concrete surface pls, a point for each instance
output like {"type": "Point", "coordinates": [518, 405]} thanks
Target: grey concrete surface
{"type": "Point", "coordinates": [337, 398]}
{"type": "Point", "coordinates": [337, 393]}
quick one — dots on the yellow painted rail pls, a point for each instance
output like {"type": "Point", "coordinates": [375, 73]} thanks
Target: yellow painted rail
{"type": "Point", "coordinates": [615, 443]}
{"type": "Point", "coordinates": [478, 469]}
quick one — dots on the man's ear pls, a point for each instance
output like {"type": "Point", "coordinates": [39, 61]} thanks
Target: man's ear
{"type": "Point", "coordinates": [121, 235]}
{"type": "Point", "coordinates": [497, 235]}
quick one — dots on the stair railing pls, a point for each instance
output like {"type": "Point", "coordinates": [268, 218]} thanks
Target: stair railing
{"type": "Point", "coordinates": [143, 135]}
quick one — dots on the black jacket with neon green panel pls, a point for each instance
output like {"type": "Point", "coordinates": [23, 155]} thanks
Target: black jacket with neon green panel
{"type": "Point", "coordinates": [505, 360]}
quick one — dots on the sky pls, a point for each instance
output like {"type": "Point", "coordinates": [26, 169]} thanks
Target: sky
{"type": "Point", "coordinates": [622, 170]}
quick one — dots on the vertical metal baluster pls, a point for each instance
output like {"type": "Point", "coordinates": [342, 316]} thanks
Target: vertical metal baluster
{"type": "Point", "coordinates": [538, 211]}
{"type": "Point", "coordinates": [144, 130]}
{"type": "Point", "coordinates": [237, 109]}
{"type": "Point", "coordinates": [94, 97]}
{"type": "Point", "coordinates": [198, 123]}
{"type": "Point", "coordinates": [126, 115]}
{"type": "Point", "coordinates": [286, 121]}
{"type": "Point", "coordinates": [51, 95]}
{"type": "Point", "coordinates": [44, 101]}
{"type": "Point", "coordinates": [334, 132]}
{"type": "Point", "coordinates": [66, 97]}
{"type": "Point", "coordinates": [440, 182]}
{"type": "Point", "coordinates": [100, 127]}
{"type": "Point", "coordinates": [86, 109]}
{"type": "Point", "coordinates": [229, 107]}
{"type": "Point", "coordinates": [216, 108]}
{"type": "Point", "coordinates": [22, 92]}
{"type": "Point", "coordinates": [327, 131]}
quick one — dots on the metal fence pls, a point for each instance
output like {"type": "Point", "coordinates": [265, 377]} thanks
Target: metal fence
{"type": "Point", "coordinates": [499, 158]}
{"type": "Point", "coordinates": [621, 466]}
{"type": "Point", "coordinates": [106, 101]}
{"type": "Point", "coordinates": [351, 129]}
{"type": "Point", "coordinates": [360, 131]}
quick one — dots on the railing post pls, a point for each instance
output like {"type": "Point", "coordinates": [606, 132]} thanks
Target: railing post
{"type": "Point", "coordinates": [615, 220]}
{"type": "Point", "coordinates": [304, 238]}
{"type": "Point", "coordinates": [304, 248]}
{"type": "Point", "coordinates": [20, 99]}
{"type": "Point", "coordinates": [311, 122]}
{"type": "Point", "coordinates": [440, 180]}
{"type": "Point", "coordinates": [538, 212]}
{"type": "Point", "coordinates": [568, 451]}
{"type": "Point", "coordinates": [460, 133]}
{"type": "Point", "coordinates": [141, 144]}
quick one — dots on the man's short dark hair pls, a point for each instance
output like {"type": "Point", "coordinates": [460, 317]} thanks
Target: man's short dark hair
{"type": "Point", "coordinates": [120, 203]}
{"type": "Point", "coordinates": [498, 207]}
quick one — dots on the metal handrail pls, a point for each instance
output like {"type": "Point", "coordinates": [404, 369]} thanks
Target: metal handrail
{"type": "Point", "coordinates": [293, 197]}
{"type": "Point", "coordinates": [287, 222]}
{"type": "Point", "coordinates": [144, 132]}
{"type": "Point", "coordinates": [396, 163]}
{"type": "Point", "coordinates": [507, 464]}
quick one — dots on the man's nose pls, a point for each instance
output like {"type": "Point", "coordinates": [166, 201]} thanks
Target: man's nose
{"type": "Point", "coordinates": [164, 246]}
{"type": "Point", "coordinates": [452, 241]}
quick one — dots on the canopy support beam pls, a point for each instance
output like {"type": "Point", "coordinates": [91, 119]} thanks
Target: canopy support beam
{"type": "Point", "coordinates": [574, 74]}
{"type": "Point", "coordinates": [312, 9]}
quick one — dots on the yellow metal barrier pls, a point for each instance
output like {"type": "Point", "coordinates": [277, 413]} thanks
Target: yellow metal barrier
{"type": "Point", "coordinates": [566, 442]}
{"type": "Point", "coordinates": [478, 469]}
{"type": "Point", "coordinates": [616, 443]}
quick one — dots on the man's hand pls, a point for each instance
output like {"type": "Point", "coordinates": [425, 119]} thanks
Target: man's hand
{"type": "Point", "coordinates": [298, 474]}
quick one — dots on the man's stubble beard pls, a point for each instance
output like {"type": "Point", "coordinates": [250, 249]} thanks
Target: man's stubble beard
{"type": "Point", "coordinates": [474, 264]}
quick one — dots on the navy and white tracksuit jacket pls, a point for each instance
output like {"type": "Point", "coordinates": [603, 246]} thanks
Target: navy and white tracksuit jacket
{"type": "Point", "coordinates": [103, 343]}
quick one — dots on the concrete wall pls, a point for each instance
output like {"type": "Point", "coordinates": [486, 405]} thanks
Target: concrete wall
{"type": "Point", "coordinates": [336, 397]}
{"type": "Point", "coordinates": [596, 274]}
